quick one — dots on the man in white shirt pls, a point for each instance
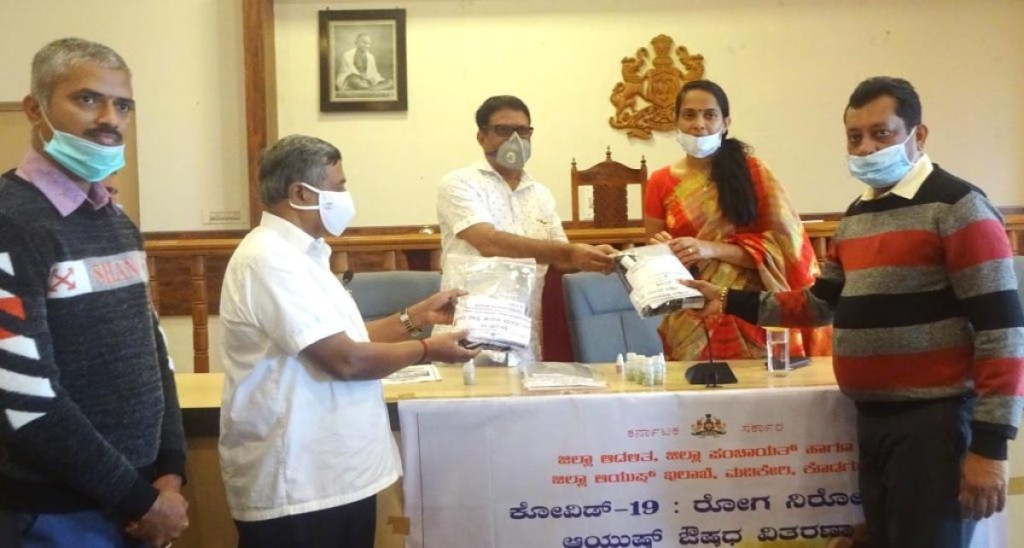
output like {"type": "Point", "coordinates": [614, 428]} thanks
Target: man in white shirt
{"type": "Point", "coordinates": [305, 442]}
{"type": "Point", "coordinates": [494, 208]}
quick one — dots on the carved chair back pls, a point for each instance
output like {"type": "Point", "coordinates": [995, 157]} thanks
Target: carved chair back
{"type": "Point", "coordinates": [610, 181]}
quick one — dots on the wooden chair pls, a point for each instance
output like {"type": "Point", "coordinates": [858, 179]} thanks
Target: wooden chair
{"type": "Point", "coordinates": [610, 181]}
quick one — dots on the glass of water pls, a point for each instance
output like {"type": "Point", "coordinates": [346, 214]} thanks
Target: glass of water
{"type": "Point", "coordinates": [777, 347]}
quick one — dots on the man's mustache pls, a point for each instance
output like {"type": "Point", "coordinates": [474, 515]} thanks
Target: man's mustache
{"type": "Point", "coordinates": [105, 131]}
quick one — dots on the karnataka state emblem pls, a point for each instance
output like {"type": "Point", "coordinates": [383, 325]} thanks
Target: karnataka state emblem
{"type": "Point", "coordinates": [657, 86]}
{"type": "Point", "coordinates": [709, 426]}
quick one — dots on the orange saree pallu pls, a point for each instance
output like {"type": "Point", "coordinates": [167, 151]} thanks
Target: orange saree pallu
{"type": "Point", "coordinates": [688, 202]}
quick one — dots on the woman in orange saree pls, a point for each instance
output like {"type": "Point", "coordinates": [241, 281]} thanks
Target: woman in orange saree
{"type": "Point", "coordinates": [724, 215]}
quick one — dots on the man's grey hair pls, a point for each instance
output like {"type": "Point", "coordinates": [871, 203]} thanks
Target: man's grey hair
{"type": "Point", "coordinates": [57, 58]}
{"type": "Point", "coordinates": [294, 159]}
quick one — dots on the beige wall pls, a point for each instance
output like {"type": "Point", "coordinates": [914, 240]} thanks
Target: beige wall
{"type": "Point", "coordinates": [186, 59]}
{"type": "Point", "coordinates": [789, 67]}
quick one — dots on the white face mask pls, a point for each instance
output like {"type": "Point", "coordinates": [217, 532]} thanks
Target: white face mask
{"type": "Point", "coordinates": [336, 209]}
{"type": "Point", "coordinates": [699, 147]}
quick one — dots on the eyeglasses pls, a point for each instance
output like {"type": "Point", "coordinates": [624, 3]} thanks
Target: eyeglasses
{"type": "Point", "coordinates": [504, 130]}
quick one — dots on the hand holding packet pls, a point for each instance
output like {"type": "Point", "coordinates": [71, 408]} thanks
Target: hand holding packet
{"type": "Point", "coordinates": [651, 275]}
{"type": "Point", "coordinates": [496, 311]}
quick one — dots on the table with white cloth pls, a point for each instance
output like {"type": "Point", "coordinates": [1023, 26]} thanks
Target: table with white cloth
{"type": "Point", "coordinates": [764, 462]}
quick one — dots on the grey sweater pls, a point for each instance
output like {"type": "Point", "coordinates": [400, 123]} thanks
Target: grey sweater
{"type": "Point", "coordinates": [89, 416]}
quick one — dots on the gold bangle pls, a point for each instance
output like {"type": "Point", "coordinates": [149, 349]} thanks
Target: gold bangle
{"type": "Point", "coordinates": [723, 296]}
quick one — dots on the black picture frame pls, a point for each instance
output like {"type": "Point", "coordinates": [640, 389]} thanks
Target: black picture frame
{"type": "Point", "coordinates": [362, 61]}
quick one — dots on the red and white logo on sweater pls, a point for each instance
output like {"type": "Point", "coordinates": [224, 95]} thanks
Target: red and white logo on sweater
{"type": "Point", "coordinates": [74, 278]}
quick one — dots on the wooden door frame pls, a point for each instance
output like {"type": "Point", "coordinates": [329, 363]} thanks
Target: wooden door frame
{"type": "Point", "coordinates": [260, 91]}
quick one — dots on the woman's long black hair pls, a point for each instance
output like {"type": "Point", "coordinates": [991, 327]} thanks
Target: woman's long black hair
{"type": "Point", "coordinates": [729, 169]}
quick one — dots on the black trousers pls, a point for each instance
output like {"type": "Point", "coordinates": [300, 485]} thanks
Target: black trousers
{"type": "Point", "coordinates": [348, 526]}
{"type": "Point", "coordinates": [910, 458]}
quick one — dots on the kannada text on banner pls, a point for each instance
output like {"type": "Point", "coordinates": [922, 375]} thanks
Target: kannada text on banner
{"type": "Point", "coordinates": [725, 468]}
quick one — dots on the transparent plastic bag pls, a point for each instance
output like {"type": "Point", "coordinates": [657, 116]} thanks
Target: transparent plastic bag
{"type": "Point", "coordinates": [651, 275]}
{"type": "Point", "coordinates": [496, 311]}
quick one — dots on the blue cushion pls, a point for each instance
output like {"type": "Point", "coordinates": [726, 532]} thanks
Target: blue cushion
{"type": "Point", "coordinates": [602, 321]}
{"type": "Point", "coordinates": [380, 294]}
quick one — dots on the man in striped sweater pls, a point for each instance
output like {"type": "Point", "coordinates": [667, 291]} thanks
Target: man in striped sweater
{"type": "Point", "coordinates": [92, 450]}
{"type": "Point", "coordinates": [928, 328]}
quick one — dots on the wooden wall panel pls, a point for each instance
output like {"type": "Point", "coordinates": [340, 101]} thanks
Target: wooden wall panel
{"type": "Point", "coordinates": [371, 249]}
{"type": "Point", "coordinates": [175, 286]}
{"type": "Point", "coordinates": [14, 135]}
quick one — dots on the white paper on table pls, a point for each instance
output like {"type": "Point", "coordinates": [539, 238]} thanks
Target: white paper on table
{"type": "Point", "coordinates": [560, 375]}
{"type": "Point", "coordinates": [413, 374]}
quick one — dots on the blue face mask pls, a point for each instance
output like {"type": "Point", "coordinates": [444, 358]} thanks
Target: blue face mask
{"type": "Point", "coordinates": [90, 161]}
{"type": "Point", "coordinates": [883, 168]}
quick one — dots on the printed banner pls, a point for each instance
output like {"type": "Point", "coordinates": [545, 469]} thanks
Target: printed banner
{"type": "Point", "coordinates": [717, 468]}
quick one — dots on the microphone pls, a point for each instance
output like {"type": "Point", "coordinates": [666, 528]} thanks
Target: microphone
{"type": "Point", "coordinates": [710, 373]}
{"type": "Point", "coordinates": [707, 335]}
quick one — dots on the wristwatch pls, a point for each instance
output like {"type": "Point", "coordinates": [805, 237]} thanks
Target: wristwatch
{"type": "Point", "coordinates": [410, 327]}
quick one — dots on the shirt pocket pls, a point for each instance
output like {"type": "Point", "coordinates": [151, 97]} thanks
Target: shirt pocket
{"type": "Point", "coordinates": [538, 228]}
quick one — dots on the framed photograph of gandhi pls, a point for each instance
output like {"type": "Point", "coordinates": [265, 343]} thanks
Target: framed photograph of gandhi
{"type": "Point", "coordinates": [362, 60]}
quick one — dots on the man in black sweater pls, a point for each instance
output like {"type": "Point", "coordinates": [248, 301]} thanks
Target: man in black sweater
{"type": "Point", "coordinates": [92, 450]}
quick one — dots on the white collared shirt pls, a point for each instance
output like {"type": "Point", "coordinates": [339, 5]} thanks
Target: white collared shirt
{"type": "Point", "coordinates": [478, 194]}
{"type": "Point", "coordinates": [293, 439]}
{"type": "Point", "coordinates": [909, 184]}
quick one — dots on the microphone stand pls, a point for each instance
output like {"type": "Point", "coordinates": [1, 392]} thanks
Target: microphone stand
{"type": "Point", "coordinates": [710, 373]}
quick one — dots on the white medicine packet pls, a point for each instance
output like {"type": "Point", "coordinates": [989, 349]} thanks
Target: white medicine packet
{"type": "Point", "coordinates": [651, 275]}
{"type": "Point", "coordinates": [493, 323]}
{"type": "Point", "coordinates": [495, 312]}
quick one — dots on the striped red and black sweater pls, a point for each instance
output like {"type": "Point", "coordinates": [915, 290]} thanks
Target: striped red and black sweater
{"type": "Point", "coordinates": [89, 415]}
{"type": "Point", "coordinates": [924, 305]}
